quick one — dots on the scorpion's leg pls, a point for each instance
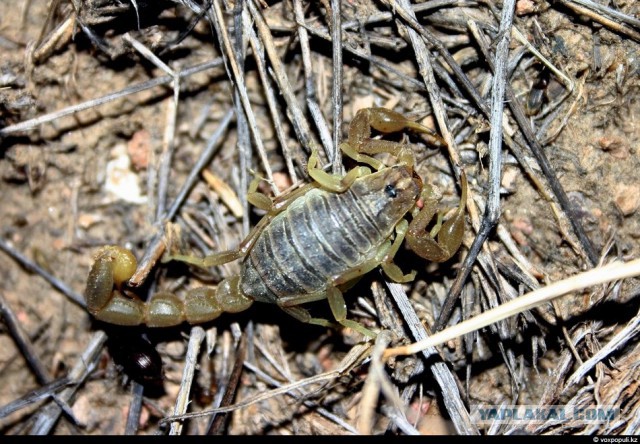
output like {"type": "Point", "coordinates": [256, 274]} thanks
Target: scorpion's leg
{"type": "Point", "coordinates": [332, 182]}
{"type": "Point", "coordinates": [391, 269]}
{"type": "Point", "coordinates": [336, 303]}
{"type": "Point", "coordinates": [256, 199]}
{"type": "Point", "coordinates": [383, 257]}
{"type": "Point", "coordinates": [339, 310]}
{"type": "Point", "coordinates": [259, 200]}
{"type": "Point", "coordinates": [303, 315]}
{"type": "Point", "coordinates": [448, 234]}
{"type": "Point", "coordinates": [290, 305]}
{"type": "Point", "coordinates": [207, 261]}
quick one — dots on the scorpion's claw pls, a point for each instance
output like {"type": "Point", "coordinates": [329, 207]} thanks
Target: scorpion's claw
{"type": "Point", "coordinates": [443, 242]}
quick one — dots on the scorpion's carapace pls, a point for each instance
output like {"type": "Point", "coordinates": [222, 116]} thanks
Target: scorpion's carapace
{"type": "Point", "coordinates": [307, 247]}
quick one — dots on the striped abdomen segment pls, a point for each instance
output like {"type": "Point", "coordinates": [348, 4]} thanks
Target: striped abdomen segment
{"type": "Point", "coordinates": [318, 236]}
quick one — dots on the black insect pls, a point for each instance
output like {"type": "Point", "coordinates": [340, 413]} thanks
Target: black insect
{"type": "Point", "coordinates": [137, 357]}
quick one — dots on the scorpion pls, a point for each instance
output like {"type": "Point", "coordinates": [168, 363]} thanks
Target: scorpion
{"type": "Point", "coordinates": [311, 245]}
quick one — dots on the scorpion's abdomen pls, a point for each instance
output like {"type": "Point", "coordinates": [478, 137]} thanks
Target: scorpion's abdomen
{"type": "Point", "coordinates": [319, 236]}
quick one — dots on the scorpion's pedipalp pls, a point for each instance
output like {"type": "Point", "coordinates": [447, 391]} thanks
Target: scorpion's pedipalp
{"type": "Point", "coordinates": [386, 121]}
{"type": "Point", "coordinates": [449, 236]}
{"type": "Point", "coordinates": [360, 157]}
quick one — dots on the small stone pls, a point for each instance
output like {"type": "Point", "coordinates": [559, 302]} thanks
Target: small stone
{"type": "Point", "coordinates": [524, 7]}
{"type": "Point", "coordinates": [615, 146]}
{"type": "Point", "coordinates": [509, 178]}
{"type": "Point", "coordinates": [139, 149]}
{"type": "Point", "coordinates": [627, 199]}
{"type": "Point", "coordinates": [121, 180]}
{"type": "Point", "coordinates": [86, 220]}
{"type": "Point", "coordinates": [282, 181]}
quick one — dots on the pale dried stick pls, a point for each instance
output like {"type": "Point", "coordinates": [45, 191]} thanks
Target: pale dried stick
{"type": "Point", "coordinates": [371, 390]}
{"type": "Point", "coordinates": [336, 84]}
{"type": "Point", "coordinates": [170, 123]}
{"type": "Point", "coordinates": [385, 16]}
{"type": "Point", "coordinates": [301, 397]}
{"type": "Point", "coordinates": [272, 103]}
{"type": "Point", "coordinates": [55, 40]}
{"type": "Point", "coordinates": [423, 57]}
{"type": "Point", "coordinates": [238, 79]}
{"type": "Point", "coordinates": [546, 62]}
{"type": "Point", "coordinates": [23, 342]}
{"type": "Point", "coordinates": [352, 359]}
{"type": "Point", "coordinates": [611, 23]}
{"type": "Point", "coordinates": [492, 207]}
{"type": "Point", "coordinates": [441, 372]}
{"type": "Point", "coordinates": [191, 360]}
{"type": "Point", "coordinates": [32, 123]}
{"type": "Point", "coordinates": [294, 111]}
{"type": "Point", "coordinates": [605, 10]}
{"type": "Point", "coordinates": [157, 245]}
{"type": "Point", "coordinates": [310, 90]}
{"type": "Point", "coordinates": [619, 340]}
{"type": "Point", "coordinates": [48, 416]}
{"type": "Point", "coordinates": [584, 244]}
{"type": "Point", "coordinates": [601, 275]}
{"type": "Point", "coordinates": [46, 391]}
{"type": "Point", "coordinates": [56, 283]}
{"type": "Point", "coordinates": [217, 422]}
{"type": "Point", "coordinates": [135, 409]}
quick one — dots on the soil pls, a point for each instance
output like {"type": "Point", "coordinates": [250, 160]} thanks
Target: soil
{"type": "Point", "coordinates": [90, 178]}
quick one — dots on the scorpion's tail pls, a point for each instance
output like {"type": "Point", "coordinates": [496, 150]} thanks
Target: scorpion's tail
{"type": "Point", "coordinates": [115, 265]}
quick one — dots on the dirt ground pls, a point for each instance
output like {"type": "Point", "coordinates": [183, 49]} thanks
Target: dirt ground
{"type": "Point", "coordinates": [73, 182]}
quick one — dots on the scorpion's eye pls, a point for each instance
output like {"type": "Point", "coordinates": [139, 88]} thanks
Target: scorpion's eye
{"type": "Point", "coordinates": [391, 191]}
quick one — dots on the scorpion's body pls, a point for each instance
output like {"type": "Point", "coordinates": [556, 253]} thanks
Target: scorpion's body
{"type": "Point", "coordinates": [308, 245]}
{"type": "Point", "coordinates": [321, 235]}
